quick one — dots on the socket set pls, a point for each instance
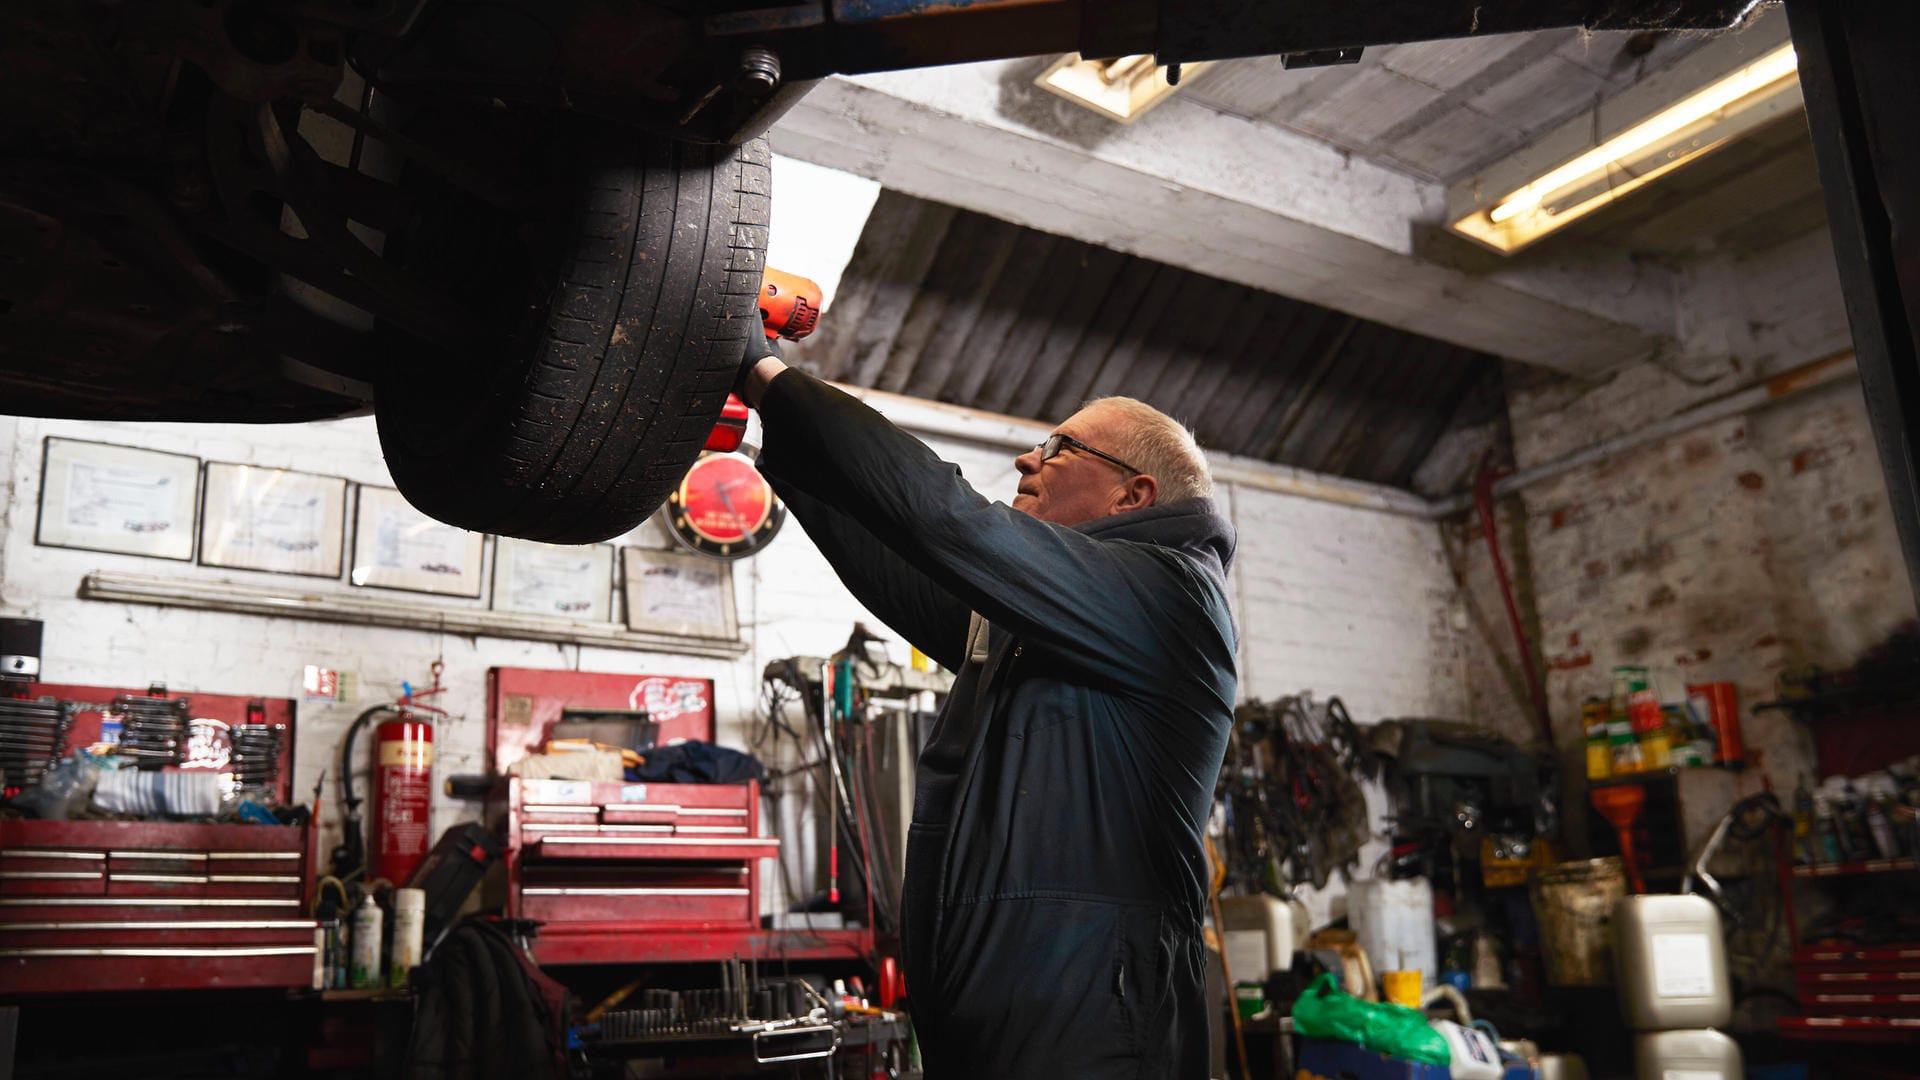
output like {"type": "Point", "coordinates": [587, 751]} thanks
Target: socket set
{"type": "Point", "coordinates": [719, 1011]}
{"type": "Point", "coordinates": [256, 758]}
{"type": "Point", "coordinates": [33, 736]}
{"type": "Point", "coordinates": [153, 730]}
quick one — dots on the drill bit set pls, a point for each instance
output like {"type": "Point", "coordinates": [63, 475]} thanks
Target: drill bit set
{"type": "Point", "coordinates": [153, 729]}
{"type": "Point", "coordinates": [33, 735]}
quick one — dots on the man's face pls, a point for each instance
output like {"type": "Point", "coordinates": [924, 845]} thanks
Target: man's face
{"type": "Point", "coordinates": [1074, 486]}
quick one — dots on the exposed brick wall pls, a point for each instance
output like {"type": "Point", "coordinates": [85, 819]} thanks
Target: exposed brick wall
{"type": "Point", "coordinates": [1731, 551]}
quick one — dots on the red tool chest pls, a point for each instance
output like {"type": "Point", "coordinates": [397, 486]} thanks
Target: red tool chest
{"type": "Point", "coordinates": [1849, 991]}
{"type": "Point", "coordinates": [134, 905]}
{"type": "Point", "coordinates": [137, 905]}
{"type": "Point", "coordinates": [523, 704]}
{"type": "Point", "coordinates": [607, 867]}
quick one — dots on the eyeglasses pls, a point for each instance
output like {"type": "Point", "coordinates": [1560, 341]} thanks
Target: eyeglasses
{"type": "Point", "coordinates": [1057, 442]}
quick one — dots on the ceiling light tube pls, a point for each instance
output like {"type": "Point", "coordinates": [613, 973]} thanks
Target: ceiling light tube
{"type": "Point", "coordinates": [1699, 122]}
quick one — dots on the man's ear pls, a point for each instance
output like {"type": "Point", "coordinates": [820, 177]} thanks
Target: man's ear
{"type": "Point", "coordinates": [1137, 493]}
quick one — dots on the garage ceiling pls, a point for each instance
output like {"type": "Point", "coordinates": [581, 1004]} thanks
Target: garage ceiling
{"type": "Point", "coordinates": [953, 306]}
{"type": "Point", "coordinates": [1441, 109]}
{"type": "Point", "coordinates": [1303, 192]}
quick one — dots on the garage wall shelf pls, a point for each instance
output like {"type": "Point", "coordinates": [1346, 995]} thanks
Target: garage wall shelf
{"type": "Point", "coordinates": [362, 610]}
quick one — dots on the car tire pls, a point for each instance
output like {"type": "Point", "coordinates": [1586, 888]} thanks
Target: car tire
{"type": "Point", "coordinates": [611, 322]}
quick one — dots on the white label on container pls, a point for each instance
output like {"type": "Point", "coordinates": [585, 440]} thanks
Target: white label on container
{"type": "Point", "coordinates": [1682, 966]}
{"type": "Point", "coordinates": [1692, 1074]}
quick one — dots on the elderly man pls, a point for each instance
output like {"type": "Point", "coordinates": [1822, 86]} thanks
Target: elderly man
{"type": "Point", "coordinates": [1056, 878]}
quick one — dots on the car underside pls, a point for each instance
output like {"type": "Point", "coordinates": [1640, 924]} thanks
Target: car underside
{"type": "Point", "coordinates": [527, 235]}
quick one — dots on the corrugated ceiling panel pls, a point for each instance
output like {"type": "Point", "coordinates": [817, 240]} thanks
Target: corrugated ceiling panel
{"type": "Point", "coordinates": [1012, 320]}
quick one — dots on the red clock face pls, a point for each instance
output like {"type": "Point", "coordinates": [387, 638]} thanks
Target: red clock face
{"type": "Point", "coordinates": [724, 507]}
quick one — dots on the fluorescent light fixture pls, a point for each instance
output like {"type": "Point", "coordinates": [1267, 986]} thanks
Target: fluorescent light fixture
{"type": "Point", "coordinates": [1696, 124]}
{"type": "Point", "coordinates": [1117, 89]}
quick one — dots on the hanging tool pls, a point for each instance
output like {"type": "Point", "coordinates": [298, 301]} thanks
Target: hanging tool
{"type": "Point", "coordinates": [833, 785]}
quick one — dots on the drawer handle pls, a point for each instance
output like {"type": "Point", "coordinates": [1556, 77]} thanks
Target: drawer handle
{"type": "Point", "coordinates": [695, 811]}
{"type": "Point", "coordinates": [635, 891]}
{"type": "Point", "coordinates": [121, 950]}
{"type": "Point", "coordinates": [36, 853]}
{"type": "Point", "coordinates": [236, 855]}
{"type": "Point", "coordinates": [140, 901]}
{"type": "Point", "coordinates": [531, 826]}
{"type": "Point", "coordinates": [644, 840]}
{"type": "Point", "coordinates": [173, 856]}
{"type": "Point", "coordinates": [253, 879]}
{"type": "Point", "coordinates": [795, 1032]}
{"type": "Point", "coordinates": [164, 879]}
{"type": "Point", "coordinates": [52, 875]}
{"type": "Point", "coordinates": [163, 924]}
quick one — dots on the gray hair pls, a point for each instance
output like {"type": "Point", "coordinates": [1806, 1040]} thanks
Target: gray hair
{"type": "Point", "coordinates": [1159, 446]}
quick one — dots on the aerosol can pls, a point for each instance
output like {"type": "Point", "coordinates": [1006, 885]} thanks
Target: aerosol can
{"type": "Point", "coordinates": [369, 924]}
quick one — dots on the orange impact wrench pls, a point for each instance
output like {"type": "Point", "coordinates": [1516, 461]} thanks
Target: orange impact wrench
{"type": "Point", "coordinates": [789, 308]}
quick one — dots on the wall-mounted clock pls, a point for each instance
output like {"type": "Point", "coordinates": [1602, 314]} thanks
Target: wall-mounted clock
{"type": "Point", "coordinates": [724, 508]}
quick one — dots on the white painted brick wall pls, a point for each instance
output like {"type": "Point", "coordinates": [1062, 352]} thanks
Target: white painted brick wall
{"type": "Point", "coordinates": [1329, 598]}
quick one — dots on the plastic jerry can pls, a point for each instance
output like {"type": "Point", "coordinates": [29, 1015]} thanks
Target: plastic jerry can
{"type": "Point", "coordinates": [1474, 1055]}
{"type": "Point", "coordinates": [1261, 934]}
{"type": "Point", "coordinates": [1394, 922]}
{"type": "Point", "coordinates": [1563, 1067]}
{"type": "Point", "coordinates": [1686, 1055]}
{"type": "Point", "coordinates": [1671, 961]}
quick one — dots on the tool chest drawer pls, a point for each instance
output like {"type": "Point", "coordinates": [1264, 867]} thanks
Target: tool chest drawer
{"type": "Point", "coordinates": [125, 905]}
{"type": "Point", "coordinates": [641, 896]}
{"type": "Point", "coordinates": [563, 819]}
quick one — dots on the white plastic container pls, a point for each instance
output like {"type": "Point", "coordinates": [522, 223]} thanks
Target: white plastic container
{"type": "Point", "coordinates": [1474, 1055]}
{"type": "Point", "coordinates": [1672, 963]}
{"type": "Point", "coordinates": [1686, 1055]}
{"type": "Point", "coordinates": [409, 931]}
{"type": "Point", "coordinates": [1394, 922]}
{"type": "Point", "coordinates": [368, 924]}
{"type": "Point", "coordinates": [1260, 934]}
{"type": "Point", "coordinates": [1563, 1067]}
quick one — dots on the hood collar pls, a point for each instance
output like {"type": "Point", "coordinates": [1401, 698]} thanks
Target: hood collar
{"type": "Point", "coordinates": [1194, 526]}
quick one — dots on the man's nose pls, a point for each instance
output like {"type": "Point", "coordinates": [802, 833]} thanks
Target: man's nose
{"type": "Point", "coordinates": [1029, 462]}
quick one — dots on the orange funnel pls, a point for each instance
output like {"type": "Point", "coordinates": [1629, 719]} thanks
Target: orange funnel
{"type": "Point", "coordinates": [1620, 804]}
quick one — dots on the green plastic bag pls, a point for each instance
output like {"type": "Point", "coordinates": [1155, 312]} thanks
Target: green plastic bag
{"type": "Point", "coordinates": [1324, 1011]}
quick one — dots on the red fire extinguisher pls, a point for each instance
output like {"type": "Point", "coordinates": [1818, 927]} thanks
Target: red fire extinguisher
{"type": "Point", "coordinates": [402, 795]}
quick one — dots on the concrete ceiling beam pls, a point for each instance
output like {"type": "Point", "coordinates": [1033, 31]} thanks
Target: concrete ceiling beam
{"type": "Point", "coordinates": [1236, 199]}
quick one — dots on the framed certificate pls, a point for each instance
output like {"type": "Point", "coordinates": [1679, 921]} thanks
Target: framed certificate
{"type": "Point", "coordinates": [102, 497]}
{"type": "Point", "coordinates": [273, 519]}
{"type": "Point", "coordinates": [398, 547]}
{"type": "Point", "coordinates": [674, 592]}
{"type": "Point", "coordinates": [570, 582]}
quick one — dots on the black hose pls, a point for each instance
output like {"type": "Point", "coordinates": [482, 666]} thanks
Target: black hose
{"type": "Point", "coordinates": [350, 857]}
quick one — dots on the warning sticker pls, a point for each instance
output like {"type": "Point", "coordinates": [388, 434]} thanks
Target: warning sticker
{"type": "Point", "coordinates": [1682, 966]}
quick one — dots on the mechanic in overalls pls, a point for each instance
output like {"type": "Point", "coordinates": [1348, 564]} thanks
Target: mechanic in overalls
{"type": "Point", "coordinates": [1056, 879]}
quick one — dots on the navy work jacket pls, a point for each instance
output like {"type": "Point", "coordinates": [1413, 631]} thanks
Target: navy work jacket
{"type": "Point", "coordinates": [1056, 877]}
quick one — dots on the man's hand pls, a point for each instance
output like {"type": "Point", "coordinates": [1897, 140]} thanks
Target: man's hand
{"type": "Point", "coordinates": [757, 368]}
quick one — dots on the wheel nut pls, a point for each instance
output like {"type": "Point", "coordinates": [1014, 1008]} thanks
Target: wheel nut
{"type": "Point", "coordinates": [759, 71]}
